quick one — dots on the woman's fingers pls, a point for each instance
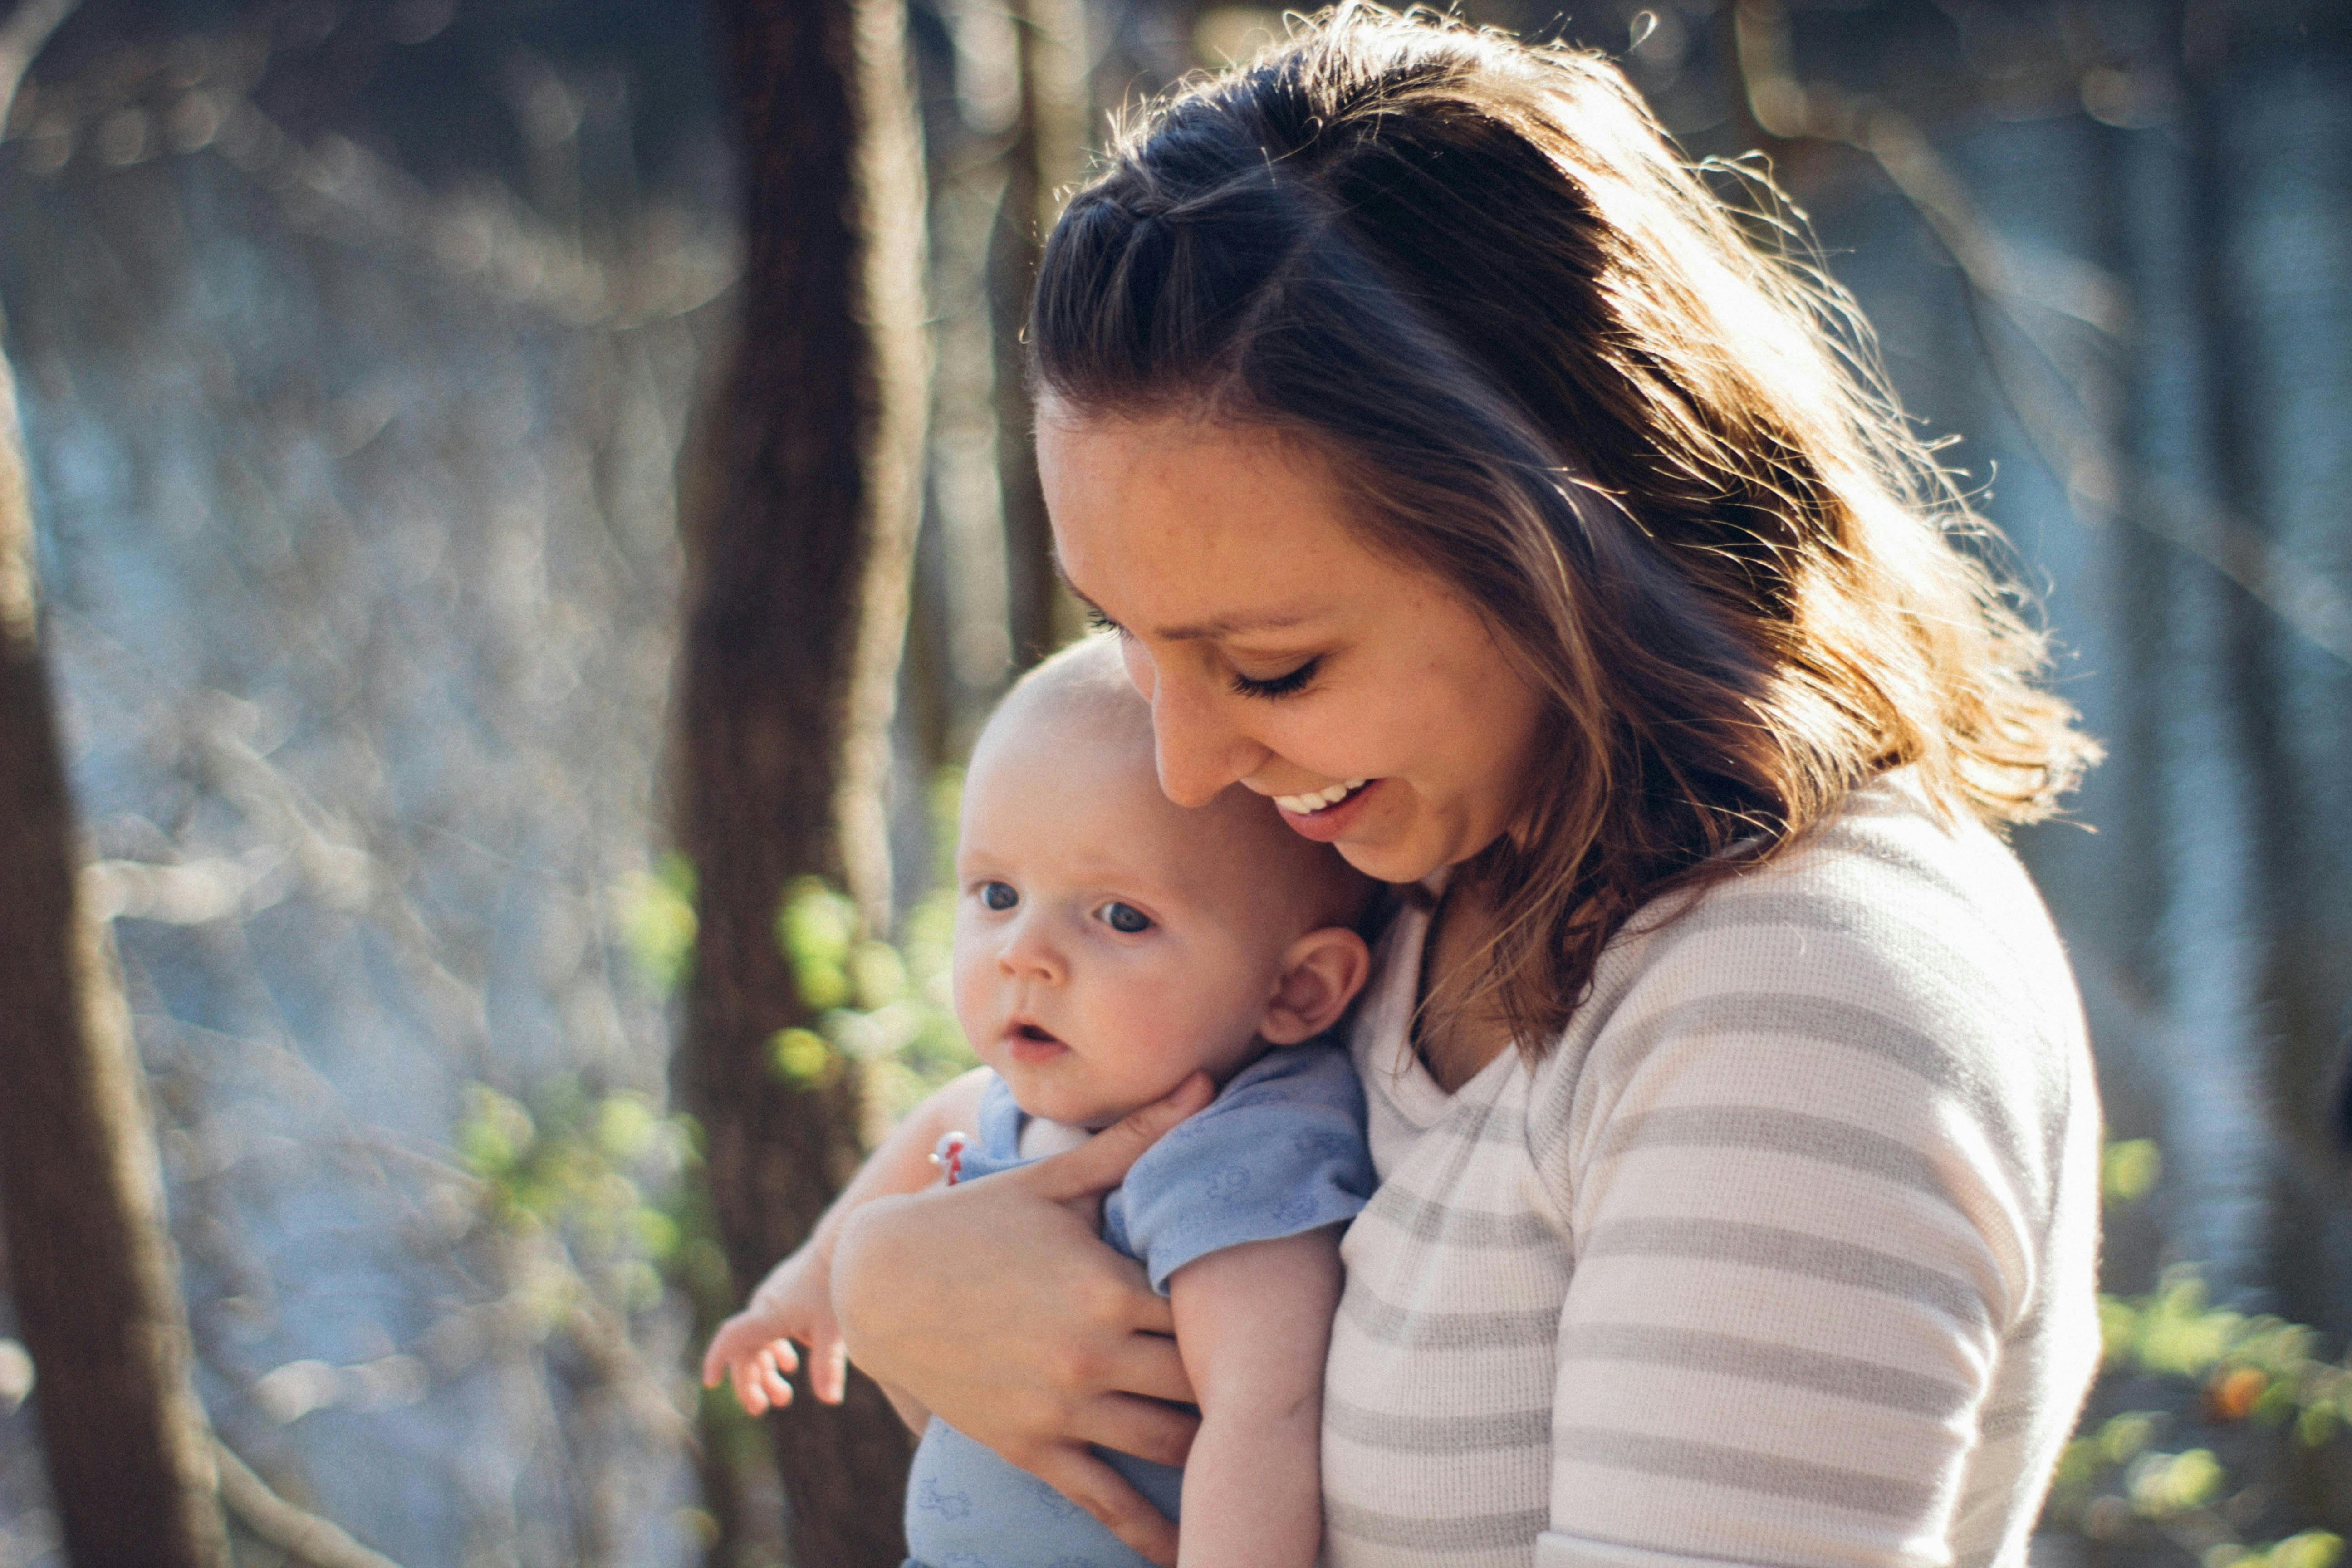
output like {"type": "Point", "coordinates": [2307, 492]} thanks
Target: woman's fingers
{"type": "Point", "coordinates": [1144, 1428]}
{"type": "Point", "coordinates": [1148, 1364]}
{"type": "Point", "coordinates": [1105, 1493]}
{"type": "Point", "coordinates": [1101, 1163]}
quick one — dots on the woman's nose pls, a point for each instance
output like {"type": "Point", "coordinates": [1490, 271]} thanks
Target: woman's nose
{"type": "Point", "coordinates": [1200, 751]}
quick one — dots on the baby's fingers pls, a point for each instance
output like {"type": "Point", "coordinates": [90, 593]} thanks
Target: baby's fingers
{"type": "Point", "coordinates": [744, 1375]}
{"type": "Point", "coordinates": [728, 1346]}
{"type": "Point", "coordinates": [774, 1360]}
{"type": "Point", "coordinates": [828, 1366]}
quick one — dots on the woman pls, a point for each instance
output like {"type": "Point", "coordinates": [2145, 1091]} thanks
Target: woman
{"type": "Point", "coordinates": [1461, 474]}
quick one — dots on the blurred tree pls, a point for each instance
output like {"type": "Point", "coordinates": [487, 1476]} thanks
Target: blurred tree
{"type": "Point", "coordinates": [800, 520]}
{"type": "Point", "coordinates": [1045, 158]}
{"type": "Point", "coordinates": [95, 1282]}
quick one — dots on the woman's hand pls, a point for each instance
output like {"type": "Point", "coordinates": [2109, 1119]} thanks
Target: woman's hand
{"type": "Point", "coordinates": [997, 1304]}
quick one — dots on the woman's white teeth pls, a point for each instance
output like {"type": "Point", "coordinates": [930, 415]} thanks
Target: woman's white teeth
{"type": "Point", "coordinates": [1305, 805]}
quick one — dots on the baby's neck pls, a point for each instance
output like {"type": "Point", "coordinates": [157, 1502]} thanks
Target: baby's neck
{"type": "Point", "coordinates": [1040, 1138]}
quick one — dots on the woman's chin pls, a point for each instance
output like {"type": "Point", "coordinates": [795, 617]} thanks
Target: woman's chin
{"type": "Point", "coordinates": [1390, 862]}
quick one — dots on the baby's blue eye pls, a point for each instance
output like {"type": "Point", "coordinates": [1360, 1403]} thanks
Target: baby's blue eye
{"type": "Point", "coordinates": [998, 895]}
{"type": "Point", "coordinates": [1125, 918]}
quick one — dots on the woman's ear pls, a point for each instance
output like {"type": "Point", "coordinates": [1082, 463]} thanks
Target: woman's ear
{"type": "Point", "coordinates": [1320, 975]}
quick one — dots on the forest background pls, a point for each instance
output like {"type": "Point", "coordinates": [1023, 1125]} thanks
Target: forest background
{"type": "Point", "coordinates": [529, 502]}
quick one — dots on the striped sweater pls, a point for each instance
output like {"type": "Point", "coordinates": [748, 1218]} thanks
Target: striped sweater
{"type": "Point", "coordinates": [1782, 1253]}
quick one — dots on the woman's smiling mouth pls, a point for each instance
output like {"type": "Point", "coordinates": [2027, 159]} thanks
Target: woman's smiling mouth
{"type": "Point", "coordinates": [1318, 800]}
{"type": "Point", "coordinates": [1326, 813]}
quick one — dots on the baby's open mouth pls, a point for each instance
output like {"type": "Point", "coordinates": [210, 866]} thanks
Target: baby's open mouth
{"type": "Point", "coordinates": [1031, 1046]}
{"type": "Point", "coordinates": [1318, 800]}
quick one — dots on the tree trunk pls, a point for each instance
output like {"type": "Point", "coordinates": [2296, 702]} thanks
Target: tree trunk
{"type": "Point", "coordinates": [96, 1286]}
{"type": "Point", "coordinates": [1046, 156]}
{"type": "Point", "coordinates": [800, 540]}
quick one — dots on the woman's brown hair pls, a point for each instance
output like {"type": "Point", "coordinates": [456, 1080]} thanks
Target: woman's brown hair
{"type": "Point", "coordinates": [1556, 370]}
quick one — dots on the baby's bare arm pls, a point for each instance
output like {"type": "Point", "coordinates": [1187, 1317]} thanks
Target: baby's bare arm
{"type": "Point", "coordinates": [753, 1348]}
{"type": "Point", "coordinates": [1254, 1322]}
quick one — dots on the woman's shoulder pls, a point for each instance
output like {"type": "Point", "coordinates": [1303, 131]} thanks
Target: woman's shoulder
{"type": "Point", "coordinates": [1893, 971]}
{"type": "Point", "coordinates": [1888, 898]}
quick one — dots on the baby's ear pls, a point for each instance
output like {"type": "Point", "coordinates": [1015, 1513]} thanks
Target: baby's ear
{"type": "Point", "coordinates": [1320, 975]}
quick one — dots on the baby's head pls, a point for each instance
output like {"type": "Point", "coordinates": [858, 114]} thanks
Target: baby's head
{"type": "Point", "coordinates": [1109, 943]}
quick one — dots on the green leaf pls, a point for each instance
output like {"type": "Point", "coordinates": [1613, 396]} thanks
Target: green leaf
{"type": "Point", "coordinates": [800, 1058]}
{"type": "Point", "coordinates": [2128, 1170]}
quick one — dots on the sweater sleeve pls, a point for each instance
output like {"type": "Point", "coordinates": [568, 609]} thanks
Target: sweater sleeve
{"type": "Point", "coordinates": [1807, 1166]}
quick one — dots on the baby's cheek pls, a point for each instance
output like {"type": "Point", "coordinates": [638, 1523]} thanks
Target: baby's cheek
{"type": "Point", "coordinates": [1190, 1010]}
{"type": "Point", "coordinates": [968, 972]}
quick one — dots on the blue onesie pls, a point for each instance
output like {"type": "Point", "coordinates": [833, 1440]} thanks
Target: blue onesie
{"type": "Point", "coordinates": [1279, 1151]}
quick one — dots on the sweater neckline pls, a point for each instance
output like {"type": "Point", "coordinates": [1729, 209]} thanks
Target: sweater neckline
{"type": "Point", "coordinates": [1385, 1026]}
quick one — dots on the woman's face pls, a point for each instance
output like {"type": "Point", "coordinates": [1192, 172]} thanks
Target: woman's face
{"type": "Point", "coordinates": [1365, 697]}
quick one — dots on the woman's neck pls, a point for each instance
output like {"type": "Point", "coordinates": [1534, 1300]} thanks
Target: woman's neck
{"type": "Point", "coordinates": [1455, 1042]}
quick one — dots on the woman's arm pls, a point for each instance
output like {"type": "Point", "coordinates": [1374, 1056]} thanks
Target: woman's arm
{"type": "Point", "coordinates": [754, 1347]}
{"type": "Point", "coordinates": [997, 1305]}
{"type": "Point", "coordinates": [1831, 1170]}
{"type": "Point", "coordinates": [1254, 1322]}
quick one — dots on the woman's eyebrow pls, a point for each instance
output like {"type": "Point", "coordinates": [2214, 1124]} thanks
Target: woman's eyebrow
{"type": "Point", "coordinates": [1216, 626]}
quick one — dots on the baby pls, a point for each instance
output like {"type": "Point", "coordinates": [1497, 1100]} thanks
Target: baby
{"type": "Point", "coordinates": [1107, 945]}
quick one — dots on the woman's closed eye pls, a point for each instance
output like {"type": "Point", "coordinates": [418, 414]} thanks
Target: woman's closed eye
{"type": "Point", "coordinates": [1124, 918]}
{"type": "Point", "coordinates": [1283, 685]}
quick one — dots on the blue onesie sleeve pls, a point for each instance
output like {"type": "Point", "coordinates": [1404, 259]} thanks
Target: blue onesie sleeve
{"type": "Point", "coordinates": [1279, 1151]}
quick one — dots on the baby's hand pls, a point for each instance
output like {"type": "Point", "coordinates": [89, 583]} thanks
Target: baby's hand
{"type": "Point", "coordinates": [753, 1348]}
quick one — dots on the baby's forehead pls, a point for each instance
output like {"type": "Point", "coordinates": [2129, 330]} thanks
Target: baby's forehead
{"type": "Point", "coordinates": [1071, 759]}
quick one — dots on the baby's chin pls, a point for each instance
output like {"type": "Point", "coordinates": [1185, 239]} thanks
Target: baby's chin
{"type": "Point", "coordinates": [1089, 1115]}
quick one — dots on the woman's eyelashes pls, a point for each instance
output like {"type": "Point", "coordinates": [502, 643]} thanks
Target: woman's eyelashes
{"type": "Point", "coordinates": [1124, 918]}
{"type": "Point", "coordinates": [1282, 685]}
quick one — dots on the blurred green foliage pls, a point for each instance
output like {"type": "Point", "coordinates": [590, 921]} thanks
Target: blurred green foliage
{"type": "Point", "coordinates": [594, 1175]}
{"type": "Point", "coordinates": [609, 1179]}
{"type": "Point", "coordinates": [887, 1006]}
{"type": "Point", "coordinates": [657, 921]}
{"type": "Point", "coordinates": [2209, 1430]}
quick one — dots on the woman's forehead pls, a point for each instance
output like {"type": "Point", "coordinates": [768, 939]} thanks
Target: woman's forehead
{"type": "Point", "coordinates": [1218, 529]}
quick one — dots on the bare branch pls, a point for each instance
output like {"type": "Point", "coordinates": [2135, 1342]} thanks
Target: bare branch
{"type": "Point", "coordinates": [2061, 429]}
{"type": "Point", "coordinates": [309, 1538]}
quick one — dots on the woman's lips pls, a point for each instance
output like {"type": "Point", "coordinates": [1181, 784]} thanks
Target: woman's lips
{"type": "Point", "coordinates": [1328, 822]}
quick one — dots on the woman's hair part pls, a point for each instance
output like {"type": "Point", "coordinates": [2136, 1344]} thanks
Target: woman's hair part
{"type": "Point", "coordinates": [1553, 367]}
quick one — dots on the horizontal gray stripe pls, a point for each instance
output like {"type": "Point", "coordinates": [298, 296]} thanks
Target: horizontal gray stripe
{"type": "Point", "coordinates": [1478, 1532]}
{"type": "Point", "coordinates": [1386, 1324]}
{"type": "Point", "coordinates": [1425, 1219]}
{"type": "Point", "coordinates": [1822, 1138]}
{"type": "Point", "coordinates": [1436, 1433]}
{"type": "Point", "coordinates": [1727, 1355]}
{"type": "Point", "coordinates": [1792, 1252]}
{"type": "Point", "coordinates": [2006, 1420]}
{"type": "Point", "coordinates": [1803, 1016]}
{"type": "Point", "coordinates": [1742, 1470]}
